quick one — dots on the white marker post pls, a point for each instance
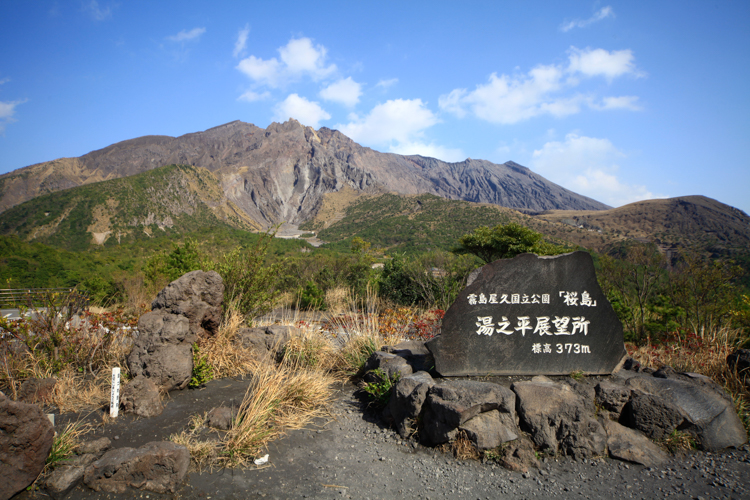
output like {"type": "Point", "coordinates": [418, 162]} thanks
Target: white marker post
{"type": "Point", "coordinates": [114, 403]}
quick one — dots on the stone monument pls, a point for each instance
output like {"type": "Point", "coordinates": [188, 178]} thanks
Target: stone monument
{"type": "Point", "coordinates": [530, 315]}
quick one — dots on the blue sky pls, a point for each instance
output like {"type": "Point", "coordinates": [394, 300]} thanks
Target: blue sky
{"type": "Point", "coordinates": [620, 101]}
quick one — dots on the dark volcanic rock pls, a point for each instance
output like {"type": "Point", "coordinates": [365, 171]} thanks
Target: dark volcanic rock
{"type": "Point", "coordinates": [196, 295]}
{"type": "Point", "coordinates": [35, 390]}
{"type": "Point", "coordinates": [26, 436]}
{"type": "Point", "coordinates": [450, 404]}
{"type": "Point", "coordinates": [708, 411]}
{"type": "Point", "coordinates": [630, 445]}
{"type": "Point", "coordinates": [530, 315]}
{"type": "Point", "coordinates": [163, 350]}
{"type": "Point", "coordinates": [158, 466]}
{"type": "Point", "coordinates": [407, 399]}
{"type": "Point", "coordinates": [141, 396]}
{"type": "Point", "coordinates": [557, 419]}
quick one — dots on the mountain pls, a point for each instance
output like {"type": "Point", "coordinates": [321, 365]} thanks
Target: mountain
{"type": "Point", "coordinates": [674, 222]}
{"type": "Point", "coordinates": [170, 200]}
{"type": "Point", "coordinates": [280, 174]}
{"type": "Point", "coordinates": [418, 223]}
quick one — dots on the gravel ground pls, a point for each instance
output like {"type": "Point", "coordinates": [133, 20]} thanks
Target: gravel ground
{"type": "Point", "coordinates": [353, 455]}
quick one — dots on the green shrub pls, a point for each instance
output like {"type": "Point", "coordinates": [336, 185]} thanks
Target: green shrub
{"type": "Point", "coordinates": [312, 297]}
{"type": "Point", "coordinates": [379, 392]}
{"type": "Point", "coordinates": [202, 371]}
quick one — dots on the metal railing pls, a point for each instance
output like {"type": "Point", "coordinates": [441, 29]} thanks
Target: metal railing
{"type": "Point", "coordinates": [40, 297]}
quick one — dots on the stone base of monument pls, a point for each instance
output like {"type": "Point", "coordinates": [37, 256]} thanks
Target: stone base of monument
{"type": "Point", "coordinates": [624, 415]}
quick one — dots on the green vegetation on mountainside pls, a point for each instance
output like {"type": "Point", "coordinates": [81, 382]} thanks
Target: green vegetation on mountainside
{"type": "Point", "coordinates": [164, 201]}
{"type": "Point", "coordinates": [412, 224]}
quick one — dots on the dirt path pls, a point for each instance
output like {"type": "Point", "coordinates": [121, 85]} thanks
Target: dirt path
{"type": "Point", "coordinates": [354, 456]}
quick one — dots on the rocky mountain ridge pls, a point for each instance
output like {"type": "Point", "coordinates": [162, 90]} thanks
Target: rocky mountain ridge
{"type": "Point", "coordinates": [280, 174]}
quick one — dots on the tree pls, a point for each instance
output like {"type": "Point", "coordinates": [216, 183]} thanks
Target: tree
{"type": "Point", "coordinates": [505, 241]}
{"type": "Point", "coordinates": [631, 282]}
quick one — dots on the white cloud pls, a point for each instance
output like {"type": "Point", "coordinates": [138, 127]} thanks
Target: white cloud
{"type": "Point", "coordinates": [431, 150]}
{"type": "Point", "coordinates": [184, 35]}
{"type": "Point", "coordinates": [545, 90]}
{"type": "Point", "coordinates": [241, 42]}
{"type": "Point", "coordinates": [7, 110]}
{"type": "Point", "coordinates": [400, 120]}
{"type": "Point", "coordinates": [599, 62]}
{"type": "Point", "coordinates": [387, 83]}
{"type": "Point", "coordinates": [97, 13]}
{"type": "Point", "coordinates": [629, 102]}
{"type": "Point", "coordinates": [306, 112]}
{"type": "Point", "coordinates": [602, 13]}
{"type": "Point", "coordinates": [251, 96]}
{"type": "Point", "coordinates": [588, 166]}
{"type": "Point", "coordinates": [263, 72]}
{"type": "Point", "coordinates": [345, 91]}
{"type": "Point", "coordinates": [298, 58]}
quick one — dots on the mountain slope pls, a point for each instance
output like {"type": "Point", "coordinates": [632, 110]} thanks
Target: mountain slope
{"type": "Point", "coordinates": [171, 200]}
{"type": "Point", "coordinates": [423, 222]}
{"type": "Point", "coordinates": [683, 221]}
{"type": "Point", "coordinates": [281, 173]}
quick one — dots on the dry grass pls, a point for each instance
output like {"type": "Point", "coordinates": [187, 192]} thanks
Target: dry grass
{"type": "Point", "coordinates": [74, 393]}
{"type": "Point", "coordinates": [226, 358]}
{"type": "Point", "coordinates": [462, 448]}
{"type": "Point", "coordinates": [338, 299]}
{"type": "Point", "coordinates": [65, 444]}
{"type": "Point", "coordinates": [705, 353]}
{"type": "Point", "coordinates": [678, 443]}
{"type": "Point", "coordinates": [279, 398]}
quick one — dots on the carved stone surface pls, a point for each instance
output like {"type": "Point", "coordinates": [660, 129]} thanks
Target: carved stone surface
{"type": "Point", "coordinates": [531, 315]}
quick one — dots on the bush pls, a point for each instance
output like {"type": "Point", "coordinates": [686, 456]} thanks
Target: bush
{"type": "Point", "coordinates": [312, 297]}
{"type": "Point", "coordinates": [250, 283]}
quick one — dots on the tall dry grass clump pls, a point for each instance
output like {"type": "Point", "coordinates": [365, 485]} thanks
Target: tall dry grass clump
{"type": "Point", "coordinates": [280, 397]}
{"type": "Point", "coordinates": [226, 357]}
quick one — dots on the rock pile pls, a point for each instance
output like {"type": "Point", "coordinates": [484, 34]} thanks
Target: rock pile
{"type": "Point", "coordinates": [582, 419]}
{"type": "Point", "coordinates": [163, 351]}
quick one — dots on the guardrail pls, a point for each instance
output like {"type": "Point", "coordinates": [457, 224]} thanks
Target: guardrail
{"type": "Point", "coordinates": [41, 297]}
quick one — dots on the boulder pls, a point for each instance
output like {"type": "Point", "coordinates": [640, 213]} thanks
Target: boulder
{"type": "Point", "coordinates": [709, 412]}
{"type": "Point", "coordinates": [584, 438]}
{"type": "Point", "coordinates": [451, 404]}
{"type": "Point", "coordinates": [221, 418]}
{"type": "Point", "coordinates": [37, 390]}
{"type": "Point", "coordinates": [62, 480]}
{"type": "Point", "coordinates": [95, 446]}
{"type": "Point", "coordinates": [415, 353]}
{"type": "Point", "coordinates": [632, 446]}
{"type": "Point", "coordinates": [163, 350]}
{"type": "Point", "coordinates": [557, 419]}
{"type": "Point", "coordinates": [391, 365]}
{"type": "Point", "coordinates": [652, 415]}
{"type": "Point", "coordinates": [198, 296]}
{"type": "Point", "coordinates": [611, 396]}
{"type": "Point", "coordinates": [407, 400]}
{"type": "Point", "coordinates": [490, 429]}
{"type": "Point", "coordinates": [26, 436]}
{"type": "Point", "coordinates": [268, 339]}
{"type": "Point", "coordinates": [519, 455]}
{"type": "Point", "coordinates": [159, 466]}
{"type": "Point", "coordinates": [141, 396]}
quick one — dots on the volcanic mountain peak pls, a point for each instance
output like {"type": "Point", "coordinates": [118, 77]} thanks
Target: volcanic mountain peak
{"type": "Point", "coordinates": [280, 174]}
